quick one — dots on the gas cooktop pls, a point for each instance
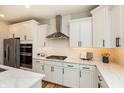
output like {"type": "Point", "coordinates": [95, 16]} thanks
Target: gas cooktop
{"type": "Point", "coordinates": [56, 57]}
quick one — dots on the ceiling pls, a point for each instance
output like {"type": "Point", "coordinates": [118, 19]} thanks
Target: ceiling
{"type": "Point", "coordinates": [14, 13]}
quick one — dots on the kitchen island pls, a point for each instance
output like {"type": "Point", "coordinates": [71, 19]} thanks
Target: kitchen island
{"type": "Point", "coordinates": [17, 78]}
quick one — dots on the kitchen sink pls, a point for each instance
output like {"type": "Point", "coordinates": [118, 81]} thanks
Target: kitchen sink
{"type": "Point", "coordinates": [2, 70]}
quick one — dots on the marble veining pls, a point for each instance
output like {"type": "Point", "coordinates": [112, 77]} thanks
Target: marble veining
{"type": "Point", "coordinates": [17, 78]}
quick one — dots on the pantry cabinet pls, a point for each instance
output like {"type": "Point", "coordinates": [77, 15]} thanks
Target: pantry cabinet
{"type": "Point", "coordinates": [81, 33]}
{"type": "Point", "coordinates": [23, 30]}
{"type": "Point", "coordinates": [101, 20]}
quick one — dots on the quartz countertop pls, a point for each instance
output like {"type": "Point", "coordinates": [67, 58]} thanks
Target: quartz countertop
{"type": "Point", "coordinates": [112, 73]}
{"type": "Point", "coordinates": [17, 78]}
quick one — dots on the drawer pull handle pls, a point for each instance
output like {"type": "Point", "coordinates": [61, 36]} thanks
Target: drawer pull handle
{"type": "Point", "coordinates": [86, 68]}
{"type": "Point", "coordinates": [63, 71]}
{"type": "Point", "coordinates": [80, 73]}
{"type": "Point", "coordinates": [42, 67]}
{"type": "Point", "coordinates": [52, 69]}
{"type": "Point", "coordinates": [70, 65]}
{"type": "Point", "coordinates": [37, 61]}
{"type": "Point", "coordinates": [118, 42]}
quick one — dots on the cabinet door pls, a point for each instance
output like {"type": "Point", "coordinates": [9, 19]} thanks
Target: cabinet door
{"type": "Point", "coordinates": [116, 25]}
{"type": "Point", "coordinates": [48, 73]}
{"type": "Point", "coordinates": [101, 28]}
{"type": "Point", "coordinates": [13, 30]}
{"type": "Point", "coordinates": [41, 36]}
{"type": "Point", "coordinates": [98, 28]}
{"type": "Point", "coordinates": [71, 77]}
{"type": "Point", "coordinates": [74, 34]}
{"type": "Point", "coordinates": [122, 27]}
{"type": "Point", "coordinates": [86, 79]}
{"type": "Point", "coordinates": [57, 74]}
{"type": "Point", "coordinates": [86, 33]}
{"type": "Point", "coordinates": [26, 31]}
{"type": "Point", "coordinates": [38, 67]}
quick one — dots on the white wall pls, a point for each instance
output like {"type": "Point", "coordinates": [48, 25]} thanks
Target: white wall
{"type": "Point", "coordinates": [3, 34]}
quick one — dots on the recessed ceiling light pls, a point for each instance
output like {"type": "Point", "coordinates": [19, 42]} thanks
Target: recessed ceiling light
{"type": "Point", "coordinates": [27, 6]}
{"type": "Point", "coordinates": [1, 15]}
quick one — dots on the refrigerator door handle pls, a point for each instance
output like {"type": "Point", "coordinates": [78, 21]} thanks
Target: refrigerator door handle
{"type": "Point", "coordinates": [7, 53]}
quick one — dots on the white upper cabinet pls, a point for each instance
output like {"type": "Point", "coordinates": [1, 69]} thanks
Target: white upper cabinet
{"type": "Point", "coordinates": [117, 18]}
{"type": "Point", "coordinates": [39, 38]}
{"type": "Point", "coordinates": [23, 30]}
{"type": "Point", "coordinates": [101, 27]}
{"type": "Point", "coordinates": [74, 34]}
{"type": "Point", "coordinates": [81, 33]}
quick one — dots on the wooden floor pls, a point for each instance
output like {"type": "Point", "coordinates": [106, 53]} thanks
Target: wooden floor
{"type": "Point", "coordinates": [46, 84]}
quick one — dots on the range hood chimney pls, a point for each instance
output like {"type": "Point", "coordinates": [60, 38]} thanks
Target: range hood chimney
{"type": "Point", "coordinates": [58, 34]}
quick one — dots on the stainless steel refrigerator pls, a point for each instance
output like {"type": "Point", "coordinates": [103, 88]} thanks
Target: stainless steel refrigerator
{"type": "Point", "coordinates": [12, 52]}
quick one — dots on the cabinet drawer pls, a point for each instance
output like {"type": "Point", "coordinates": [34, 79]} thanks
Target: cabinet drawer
{"type": "Point", "coordinates": [87, 67]}
{"type": "Point", "coordinates": [71, 65]}
{"type": "Point", "coordinates": [38, 61]}
{"type": "Point", "coordinates": [53, 63]}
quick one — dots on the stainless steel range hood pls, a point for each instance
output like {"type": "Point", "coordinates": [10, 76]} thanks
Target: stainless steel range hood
{"type": "Point", "coordinates": [58, 34]}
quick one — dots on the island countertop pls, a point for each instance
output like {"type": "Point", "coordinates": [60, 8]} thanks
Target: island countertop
{"type": "Point", "coordinates": [17, 78]}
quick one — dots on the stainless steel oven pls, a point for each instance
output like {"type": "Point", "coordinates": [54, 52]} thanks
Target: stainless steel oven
{"type": "Point", "coordinates": [26, 55]}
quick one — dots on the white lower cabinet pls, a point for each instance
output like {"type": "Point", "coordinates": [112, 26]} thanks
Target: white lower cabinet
{"type": "Point", "coordinates": [57, 75]}
{"type": "Point", "coordinates": [67, 74]}
{"type": "Point", "coordinates": [88, 77]}
{"type": "Point", "coordinates": [38, 66]}
{"type": "Point", "coordinates": [53, 74]}
{"type": "Point", "coordinates": [47, 69]}
{"type": "Point", "coordinates": [71, 77]}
